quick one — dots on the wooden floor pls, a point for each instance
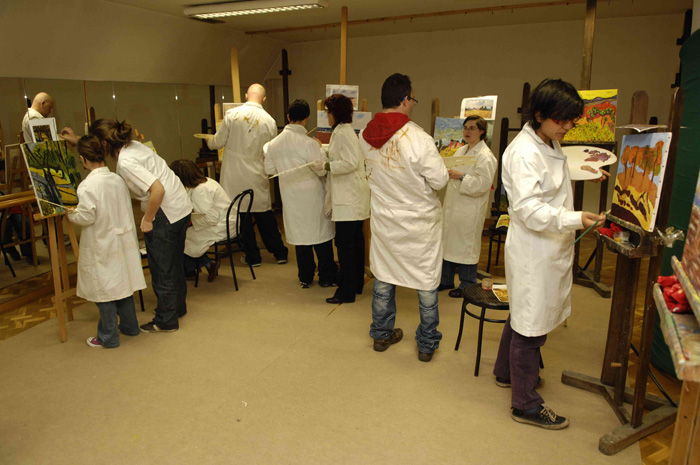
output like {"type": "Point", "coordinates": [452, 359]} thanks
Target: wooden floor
{"type": "Point", "coordinates": [20, 314]}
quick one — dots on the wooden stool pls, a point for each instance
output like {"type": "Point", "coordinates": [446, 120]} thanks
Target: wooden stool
{"type": "Point", "coordinates": [475, 295]}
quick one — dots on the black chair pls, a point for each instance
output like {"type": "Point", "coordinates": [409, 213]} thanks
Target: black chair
{"type": "Point", "coordinates": [224, 248]}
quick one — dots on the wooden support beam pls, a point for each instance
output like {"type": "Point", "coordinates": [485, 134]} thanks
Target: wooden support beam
{"type": "Point", "coordinates": [488, 9]}
{"type": "Point", "coordinates": [344, 45]}
{"type": "Point", "coordinates": [235, 79]}
{"type": "Point", "coordinates": [588, 33]}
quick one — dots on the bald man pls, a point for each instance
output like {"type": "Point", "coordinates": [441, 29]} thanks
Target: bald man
{"type": "Point", "coordinates": [243, 132]}
{"type": "Point", "coordinates": [42, 105]}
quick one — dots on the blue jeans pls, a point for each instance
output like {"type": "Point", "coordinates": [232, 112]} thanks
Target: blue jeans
{"type": "Point", "coordinates": [165, 246]}
{"type": "Point", "coordinates": [107, 332]}
{"type": "Point", "coordinates": [384, 314]}
{"type": "Point", "coordinates": [467, 274]}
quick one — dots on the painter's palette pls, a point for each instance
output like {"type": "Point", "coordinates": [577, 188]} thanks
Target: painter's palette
{"type": "Point", "coordinates": [580, 156]}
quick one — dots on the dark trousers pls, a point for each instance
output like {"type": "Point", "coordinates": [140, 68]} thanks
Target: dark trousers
{"type": "Point", "coordinates": [519, 360]}
{"type": "Point", "coordinates": [350, 242]}
{"type": "Point", "coordinates": [327, 269]}
{"type": "Point", "coordinates": [192, 264]}
{"type": "Point", "coordinates": [109, 326]}
{"type": "Point", "coordinates": [165, 246]}
{"type": "Point", "coordinates": [269, 232]}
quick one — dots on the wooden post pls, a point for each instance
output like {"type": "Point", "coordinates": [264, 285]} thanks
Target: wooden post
{"type": "Point", "coordinates": [685, 448]}
{"type": "Point", "coordinates": [588, 32]}
{"type": "Point", "coordinates": [344, 45]}
{"type": "Point", "coordinates": [55, 268]}
{"type": "Point", "coordinates": [235, 79]}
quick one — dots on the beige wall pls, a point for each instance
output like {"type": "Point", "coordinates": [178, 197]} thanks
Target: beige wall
{"type": "Point", "coordinates": [104, 41]}
{"type": "Point", "coordinates": [629, 54]}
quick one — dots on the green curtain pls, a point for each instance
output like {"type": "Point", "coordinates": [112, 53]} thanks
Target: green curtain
{"type": "Point", "coordinates": [684, 179]}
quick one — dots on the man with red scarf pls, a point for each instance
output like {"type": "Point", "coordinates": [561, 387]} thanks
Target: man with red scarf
{"type": "Point", "coordinates": [405, 172]}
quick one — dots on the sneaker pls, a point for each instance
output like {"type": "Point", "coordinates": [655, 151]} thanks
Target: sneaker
{"type": "Point", "coordinates": [505, 383]}
{"type": "Point", "coordinates": [94, 343]}
{"type": "Point", "coordinates": [151, 327]}
{"type": "Point", "coordinates": [425, 356]}
{"type": "Point", "coordinates": [327, 284]}
{"type": "Point", "coordinates": [380, 345]}
{"type": "Point", "coordinates": [243, 260]}
{"type": "Point", "coordinates": [444, 287]}
{"type": "Point", "coordinates": [456, 293]}
{"type": "Point", "coordinates": [304, 285]}
{"type": "Point", "coordinates": [544, 418]}
{"type": "Point", "coordinates": [280, 261]}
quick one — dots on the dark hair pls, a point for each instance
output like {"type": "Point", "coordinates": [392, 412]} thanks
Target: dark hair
{"type": "Point", "coordinates": [340, 107]}
{"type": "Point", "coordinates": [396, 88]}
{"type": "Point", "coordinates": [298, 110]}
{"type": "Point", "coordinates": [188, 172]}
{"type": "Point", "coordinates": [554, 98]}
{"type": "Point", "coordinates": [116, 134]}
{"type": "Point", "coordinates": [480, 123]}
{"type": "Point", "coordinates": [90, 148]}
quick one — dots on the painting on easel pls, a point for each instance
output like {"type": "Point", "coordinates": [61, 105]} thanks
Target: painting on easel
{"type": "Point", "coordinates": [691, 251]}
{"type": "Point", "coordinates": [448, 135]}
{"type": "Point", "coordinates": [54, 174]}
{"type": "Point", "coordinates": [598, 121]}
{"type": "Point", "coordinates": [640, 175]}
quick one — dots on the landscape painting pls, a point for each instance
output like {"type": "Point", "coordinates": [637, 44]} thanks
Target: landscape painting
{"type": "Point", "coordinates": [448, 135]}
{"type": "Point", "coordinates": [54, 174]}
{"type": "Point", "coordinates": [598, 121]}
{"type": "Point", "coordinates": [484, 106]}
{"type": "Point", "coordinates": [691, 251]}
{"type": "Point", "coordinates": [640, 175]}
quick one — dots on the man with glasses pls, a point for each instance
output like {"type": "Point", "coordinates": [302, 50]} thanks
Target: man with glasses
{"type": "Point", "coordinates": [405, 172]}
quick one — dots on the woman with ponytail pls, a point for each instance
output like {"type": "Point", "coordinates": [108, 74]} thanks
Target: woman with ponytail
{"type": "Point", "coordinates": [166, 216]}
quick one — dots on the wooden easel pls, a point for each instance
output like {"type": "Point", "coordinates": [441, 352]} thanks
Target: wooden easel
{"type": "Point", "coordinates": [63, 293]}
{"type": "Point", "coordinates": [612, 383]}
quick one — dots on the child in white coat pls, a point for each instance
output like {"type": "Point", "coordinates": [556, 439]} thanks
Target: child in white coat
{"type": "Point", "coordinates": [109, 269]}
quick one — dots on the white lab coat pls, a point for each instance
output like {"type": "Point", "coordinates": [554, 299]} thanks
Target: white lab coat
{"type": "Point", "coordinates": [243, 132]}
{"type": "Point", "coordinates": [540, 242]}
{"type": "Point", "coordinates": [26, 129]}
{"type": "Point", "coordinates": [348, 178]}
{"type": "Point", "coordinates": [210, 204]}
{"type": "Point", "coordinates": [110, 263]}
{"type": "Point", "coordinates": [303, 191]}
{"type": "Point", "coordinates": [406, 216]}
{"type": "Point", "coordinates": [466, 204]}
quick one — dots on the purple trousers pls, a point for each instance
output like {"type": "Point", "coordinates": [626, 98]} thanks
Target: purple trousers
{"type": "Point", "coordinates": [519, 361]}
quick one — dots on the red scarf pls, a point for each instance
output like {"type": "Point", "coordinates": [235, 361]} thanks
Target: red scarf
{"type": "Point", "coordinates": [382, 127]}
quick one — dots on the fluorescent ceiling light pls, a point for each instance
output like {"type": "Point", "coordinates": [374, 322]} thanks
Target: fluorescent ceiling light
{"type": "Point", "coordinates": [220, 10]}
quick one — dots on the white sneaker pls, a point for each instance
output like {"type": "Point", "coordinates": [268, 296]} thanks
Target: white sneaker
{"type": "Point", "coordinates": [245, 262]}
{"type": "Point", "coordinates": [94, 343]}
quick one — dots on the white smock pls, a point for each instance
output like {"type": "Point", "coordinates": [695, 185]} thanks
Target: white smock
{"type": "Point", "coordinates": [406, 216]}
{"type": "Point", "coordinates": [110, 262]}
{"type": "Point", "coordinates": [539, 250]}
{"type": "Point", "coordinates": [302, 190]}
{"type": "Point", "coordinates": [243, 132]}
{"type": "Point", "coordinates": [26, 129]}
{"type": "Point", "coordinates": [210, 204]}
{"type": "Point", "coordinates": [466, 204]}
{"type": "Point", "coordinates": [140, 167]}
{"type": "Point", "coordinates": [348, 178]}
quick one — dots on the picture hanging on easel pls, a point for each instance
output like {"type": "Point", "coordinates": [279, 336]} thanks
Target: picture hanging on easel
{"type": "Point", "coordinates": [351, 92]}
{"type": "Point", "coordinates": [54, 174]}
{"type": "Point", "coordinates": [691, 251]}
{"type": "Point", "coordinates": [484, 106]}
{"type": "Point", "coordinates": [448, 135]}
{"type": "Point", "coordinates": [43, 129]}
{"type": "Point", "coordinates": [640, 175]}
{"type": "Point", "coordinates": [598, 121]}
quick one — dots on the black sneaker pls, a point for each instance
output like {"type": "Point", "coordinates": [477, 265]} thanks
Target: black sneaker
{"type": "Point", "coordinates": [544, 418]}
{"type": "Point", "coordinates": [152, 327]}
{"type": "Point", "coordinates": [505, 383]}
{"type": "Point", "coordinates": [327, 284]}
{"type": "Point", "coordinates": [444, 287]}
{"type": "Point", "coordinates": [380, 345]}
{"type": "Point", "coordinates": [304, 285]}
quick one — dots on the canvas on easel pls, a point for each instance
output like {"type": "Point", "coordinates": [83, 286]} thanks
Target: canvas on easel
{"type": "Point", "coordinates": [43, 129]}
{"type": "Point", "coordinates": [54, 175]}
{"type": "Point", "coordinates": [691, 252]}
{"type": "Point", "coordinates": [598, 121]}
{"type": "Point", "coordinates": [640, 176]}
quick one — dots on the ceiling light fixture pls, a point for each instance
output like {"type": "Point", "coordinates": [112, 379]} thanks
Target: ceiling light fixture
{"type": "Point", "coordinates": [244, 8]}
